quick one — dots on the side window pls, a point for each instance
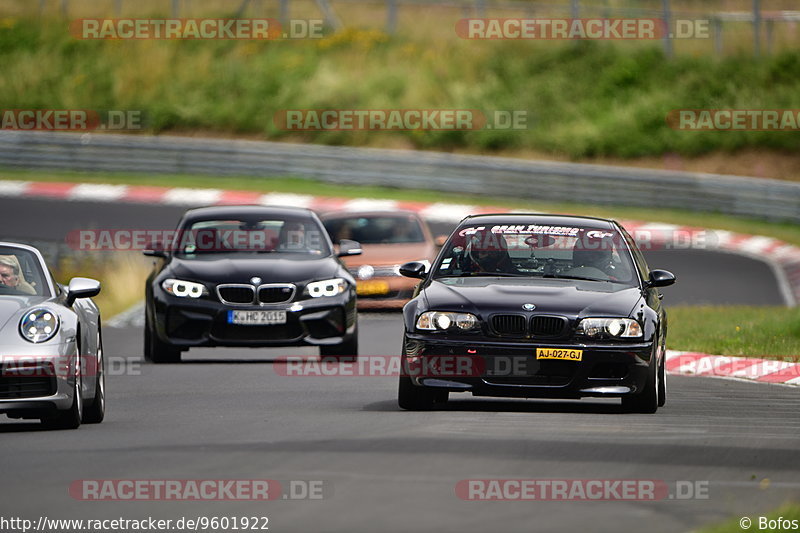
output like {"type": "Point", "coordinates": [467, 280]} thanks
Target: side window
{"type": "Point", "coordinates": [641, 264]}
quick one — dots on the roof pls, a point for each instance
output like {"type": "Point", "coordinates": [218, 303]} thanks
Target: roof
{"type": "Point", "coordinates": [246, 211]}
{"type": "Point", "coordinates": [539, 219]}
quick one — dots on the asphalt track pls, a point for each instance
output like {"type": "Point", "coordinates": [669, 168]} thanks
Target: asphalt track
{"type": "Point", "coordinates": [230, 414]}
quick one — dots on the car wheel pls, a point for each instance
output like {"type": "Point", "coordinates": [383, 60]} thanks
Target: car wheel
{"type": "Point", "coordinates": [647, 400]}
{"type": "Point", "coordinates": [70, 418]}
{"type": "Point", "coordinates": [345, 352]}
{"type": "Point", "coordinates": [413, 398]}
{"type": "Point", "coordinates": [95, 412]}
{"type": "Point", "coordinates": [155, 350]}
{"type": "Point", "coordinates": [662, 383]}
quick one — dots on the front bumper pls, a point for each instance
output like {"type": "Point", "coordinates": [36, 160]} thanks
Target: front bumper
{"type": "Point", "coordinates": [507, 369]}
{"type": "Point", "coordinates": [36, 378]}
{"type": "Point", "coordinates": [186, 323]}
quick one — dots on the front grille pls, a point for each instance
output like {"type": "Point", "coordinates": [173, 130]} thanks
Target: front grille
{"type": "Point", "coordinates": [12, 387]}
{"type": "Point", "coordinates": [277, 332]}
{"type": "Point", "coordinates": [508, 324]}
{"type": "Point", "coordinates": [547, 326]}
{"type": "Point", "coordinates": [236, 294]}
{"type": "Point", "coordinates": [275, 293]}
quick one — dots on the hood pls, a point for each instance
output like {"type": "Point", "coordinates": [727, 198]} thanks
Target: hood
{"type": "Point", "coordinates": [391, 254]}
{"type": "Point", "coordinates": [13, 307]}
{"type": "Point", "coordinates": [226, 269]}
{"type": "Point", "coordinates": [570, 298]}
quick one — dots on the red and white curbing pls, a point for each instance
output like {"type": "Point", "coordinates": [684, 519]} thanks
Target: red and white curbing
{"type": "Point", "coordinates": [784, 257]}
{"type": "Point", "coordinates": [721, 366]}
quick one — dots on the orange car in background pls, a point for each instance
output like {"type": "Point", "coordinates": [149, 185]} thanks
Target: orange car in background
{"type": "Point", "coordinates": [388, 239]}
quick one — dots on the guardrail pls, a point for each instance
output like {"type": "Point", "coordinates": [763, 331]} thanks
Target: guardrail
{"type": "Point", "coordinates": [492, 176]}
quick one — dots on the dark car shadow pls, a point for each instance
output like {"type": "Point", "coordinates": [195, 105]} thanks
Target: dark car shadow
{"type": "Point", "coordinates": [12, 427]}
{"type": "Point", "coordinates": [508, 406]}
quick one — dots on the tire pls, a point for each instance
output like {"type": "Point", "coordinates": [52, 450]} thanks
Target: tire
{"type": "Point", "coordinates": [345, 352]}
{"type": "Point", "coordinates": [95, 412]}
{"type": "Point", "coordinates": [413, 398]}
{"type": "Point", "coordinates": [156, 351]}
{"type": "Point", "coordinates": [662, 383]}
{"type": "Point", "coordinates": [69, 418]}
{"type": "Point", "coordinates": [647, 400]}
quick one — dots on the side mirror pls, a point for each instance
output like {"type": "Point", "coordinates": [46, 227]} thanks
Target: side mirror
{"type": "Point", "coordinates": [661, 278]}
{"type": "Point", "coordinates": [348, 247]}
{"type": "Point", "coordinates": [414, 269]}
{"type": "Point", "coordinates": [82, 288]}
{"type": "Point", "coordinates": [155, 249]}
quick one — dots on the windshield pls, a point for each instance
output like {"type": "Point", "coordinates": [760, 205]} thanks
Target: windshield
{"type": "Point", "coordinates": [260, 236]}
{"type": "Point", "coordinates": [376, 229]}
{"type": "Point", "coordinates": [537, 251]}
{"type": "Point", "coordinates": [21, 273]}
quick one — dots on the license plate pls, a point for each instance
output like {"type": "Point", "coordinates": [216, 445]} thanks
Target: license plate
{"type": "Point", "coordinates": [256, 318]}
{"type": "Point", "coordinates": [559, 353]}
{"type": "Point", "coordinates": [370, 288]}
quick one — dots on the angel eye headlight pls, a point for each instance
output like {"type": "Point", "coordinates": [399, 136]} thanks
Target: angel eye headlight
{"type": "Point", "coordinates": [328, 287]}
{"type": "Point", "coordinates": [184, 289]}
{"type": "Point", "coordinates": [616, 328]}
{"type": "Point", "coordinates": [39, 325]}
{"type": "Point", "coordinates": [442, 320]}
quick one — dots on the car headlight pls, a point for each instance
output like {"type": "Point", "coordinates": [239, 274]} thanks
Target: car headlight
{"type": "Point", "coordinates": [616, 328]}
{"type": "Point", "coordinates": [442, 320]}
{"type": "Point", "coordinates": [184, 289]}
{"type": "Point", "coordinates": [39, 325]}
{"type": "Point", "coordinates": [328, 287]}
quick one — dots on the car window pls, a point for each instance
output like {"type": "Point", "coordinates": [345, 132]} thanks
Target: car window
{"type": "Point", "coordinates": [376, 229]}
{"type": "Point", "coordinates": [21, 273]}
{"type": "Point", "coordinates": [290, 235]}
{"type": "Point", "coordinates": [537, 251]}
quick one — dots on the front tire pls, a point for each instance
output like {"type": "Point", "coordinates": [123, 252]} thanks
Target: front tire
{"type": "Point", "coordinates": [155, 350]}
{"type": "Point", "coordinates": [413, 398]}
{"type": "Point", "coordinates": [95, 412]}
{"type": "Point", "coordinates": [345, 352]}
{"type": "Point", "coordinates": [647, 401]}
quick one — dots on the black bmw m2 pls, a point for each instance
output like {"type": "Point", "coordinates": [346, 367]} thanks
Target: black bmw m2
{"type": "Point", "coordinates": [250, 276]}
{"type": "Point", "coordinates": [533, 306]}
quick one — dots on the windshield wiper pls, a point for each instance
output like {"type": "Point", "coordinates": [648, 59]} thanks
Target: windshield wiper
{"type": "Point", "coordinates": [566, 276]}
{"type": "Point", "coordinates": [488, 274]}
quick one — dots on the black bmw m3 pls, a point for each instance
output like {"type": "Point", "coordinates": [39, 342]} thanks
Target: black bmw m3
{"type": "Point", "coordinates": [250, 276]}
{"type": "Point", "coordinates": [536, 306]}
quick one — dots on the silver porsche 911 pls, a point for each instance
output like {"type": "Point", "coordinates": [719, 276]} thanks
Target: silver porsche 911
{"type": "Point", "coordinates": [51, 351]}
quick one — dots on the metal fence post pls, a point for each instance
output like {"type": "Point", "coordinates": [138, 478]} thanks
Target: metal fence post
{"type": "Point", "coordinates": [283, 11]}
{"type": "Point", "coordinates": [176, 8]}
{"type": "Point", "coordinates": [718, 36]}
{"type": "Point", "coordinates": [480, 8]}
{"type": "Point", "coordinates": [666, 16]}
{"type": "Point", "coordinates": [117, 8]}
{"type": "Point", "coordinates": [757, 27]}
{"type": "Point", "coordinates": [575, 9]}
{"type": "Point", "coordinates": [391, 16]}
{"type": "Point", "coordinates": [64, 8]}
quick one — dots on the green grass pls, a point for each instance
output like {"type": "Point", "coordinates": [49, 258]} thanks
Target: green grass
{"type": "Point", "coordinates": [786, 512]}
{"type": "Point", "coordinates": [767, 332]}
{"type": "Point", "coordinates": [585, 99]}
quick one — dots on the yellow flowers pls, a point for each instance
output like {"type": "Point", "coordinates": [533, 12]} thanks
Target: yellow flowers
{"type": "Point", "coordinates": [366, 39]}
